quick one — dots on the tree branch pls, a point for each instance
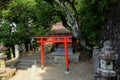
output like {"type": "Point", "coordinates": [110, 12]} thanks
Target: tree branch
{"type": "Point", "coordinates": [75, 11]}
{"type": "Point", "coordinates": [64, 21]}
{"type": "Point", "coordinates": [71, 19]}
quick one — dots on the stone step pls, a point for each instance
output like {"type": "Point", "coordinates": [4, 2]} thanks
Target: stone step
{"type": "Point", "coordinates": [22, 67]}
{"type": "Point", "coordinates": [24, 63]}
{"type": "Point", "coordinates": [26, 60]}
{"type": "Point", "coordinates": [29, 58]}
{"type": "Point", "coordinates": [46, 59]}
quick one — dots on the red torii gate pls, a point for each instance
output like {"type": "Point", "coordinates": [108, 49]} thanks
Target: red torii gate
{"type": "Point", "coordinates": [65, 40]}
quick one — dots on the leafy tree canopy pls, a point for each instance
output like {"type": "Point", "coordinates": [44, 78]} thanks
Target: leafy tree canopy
{"type": "Point", "coordinates": [85, 18]}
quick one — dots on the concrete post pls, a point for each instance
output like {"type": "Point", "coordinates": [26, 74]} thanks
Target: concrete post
{"type": "Point", "coordinates": [17, 54]}
{"type": "Point", "coordinates": [96, 61]}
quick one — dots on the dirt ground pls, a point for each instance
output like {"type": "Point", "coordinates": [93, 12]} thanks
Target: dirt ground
{"type": "Point", "coordinates": [82, 70]}
{"type": "Point", "coordinates": [78, 71]}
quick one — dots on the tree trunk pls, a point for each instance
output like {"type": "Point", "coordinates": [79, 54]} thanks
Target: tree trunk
{"type": "Point", "coordinates": [112, 31]}
{"type": "Point", "coordinates": [73, 21]}
{"type": "Point", "coordinates": [11, 53]}
{"type": "Point", "coordinates": [75, 28]}
{"type": "Point", "coordinates": [29, 48]}
{"type": "Point", "coordinates": [14, 60]}
{"type": "Point", "coordinates": [24, 48]}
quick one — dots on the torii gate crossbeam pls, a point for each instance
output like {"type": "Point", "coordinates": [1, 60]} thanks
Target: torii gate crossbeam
{"type": "Point", "coordinates": [55, 39]}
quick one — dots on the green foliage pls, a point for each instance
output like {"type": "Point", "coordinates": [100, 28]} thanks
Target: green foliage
{"type": "Point", "coordinates": [20, 11]}
{"type": "Point", "coordinates": [31, 18]}
{"type": "Point", "coordinates": [93, 14]}
{"type": "Point", "coordinates": [4, 31]}
{"type": "Point", "coordinates": [47, 13]}
{"type": "Point", "coordinates": [26, 16]}
{"type": "Point", "coordinates": [4, 4]}
{"type": "Point", "coordinates": [35, 17]}
{"type": "Point", "coordinates": [6, 36]}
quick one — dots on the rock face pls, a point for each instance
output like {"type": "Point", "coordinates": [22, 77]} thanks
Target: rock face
{"type": "Point", "coordinates": [112, 31]}
{"type": "Point", "coordinates": [6, 73]}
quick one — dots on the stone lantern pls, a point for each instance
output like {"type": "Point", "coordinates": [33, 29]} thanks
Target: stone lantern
{"type": "Point", "coordinates": [107, 57]}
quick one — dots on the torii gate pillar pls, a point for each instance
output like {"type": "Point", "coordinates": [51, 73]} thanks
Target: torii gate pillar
{"type": "Point", "coordinates": [65, 40]}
